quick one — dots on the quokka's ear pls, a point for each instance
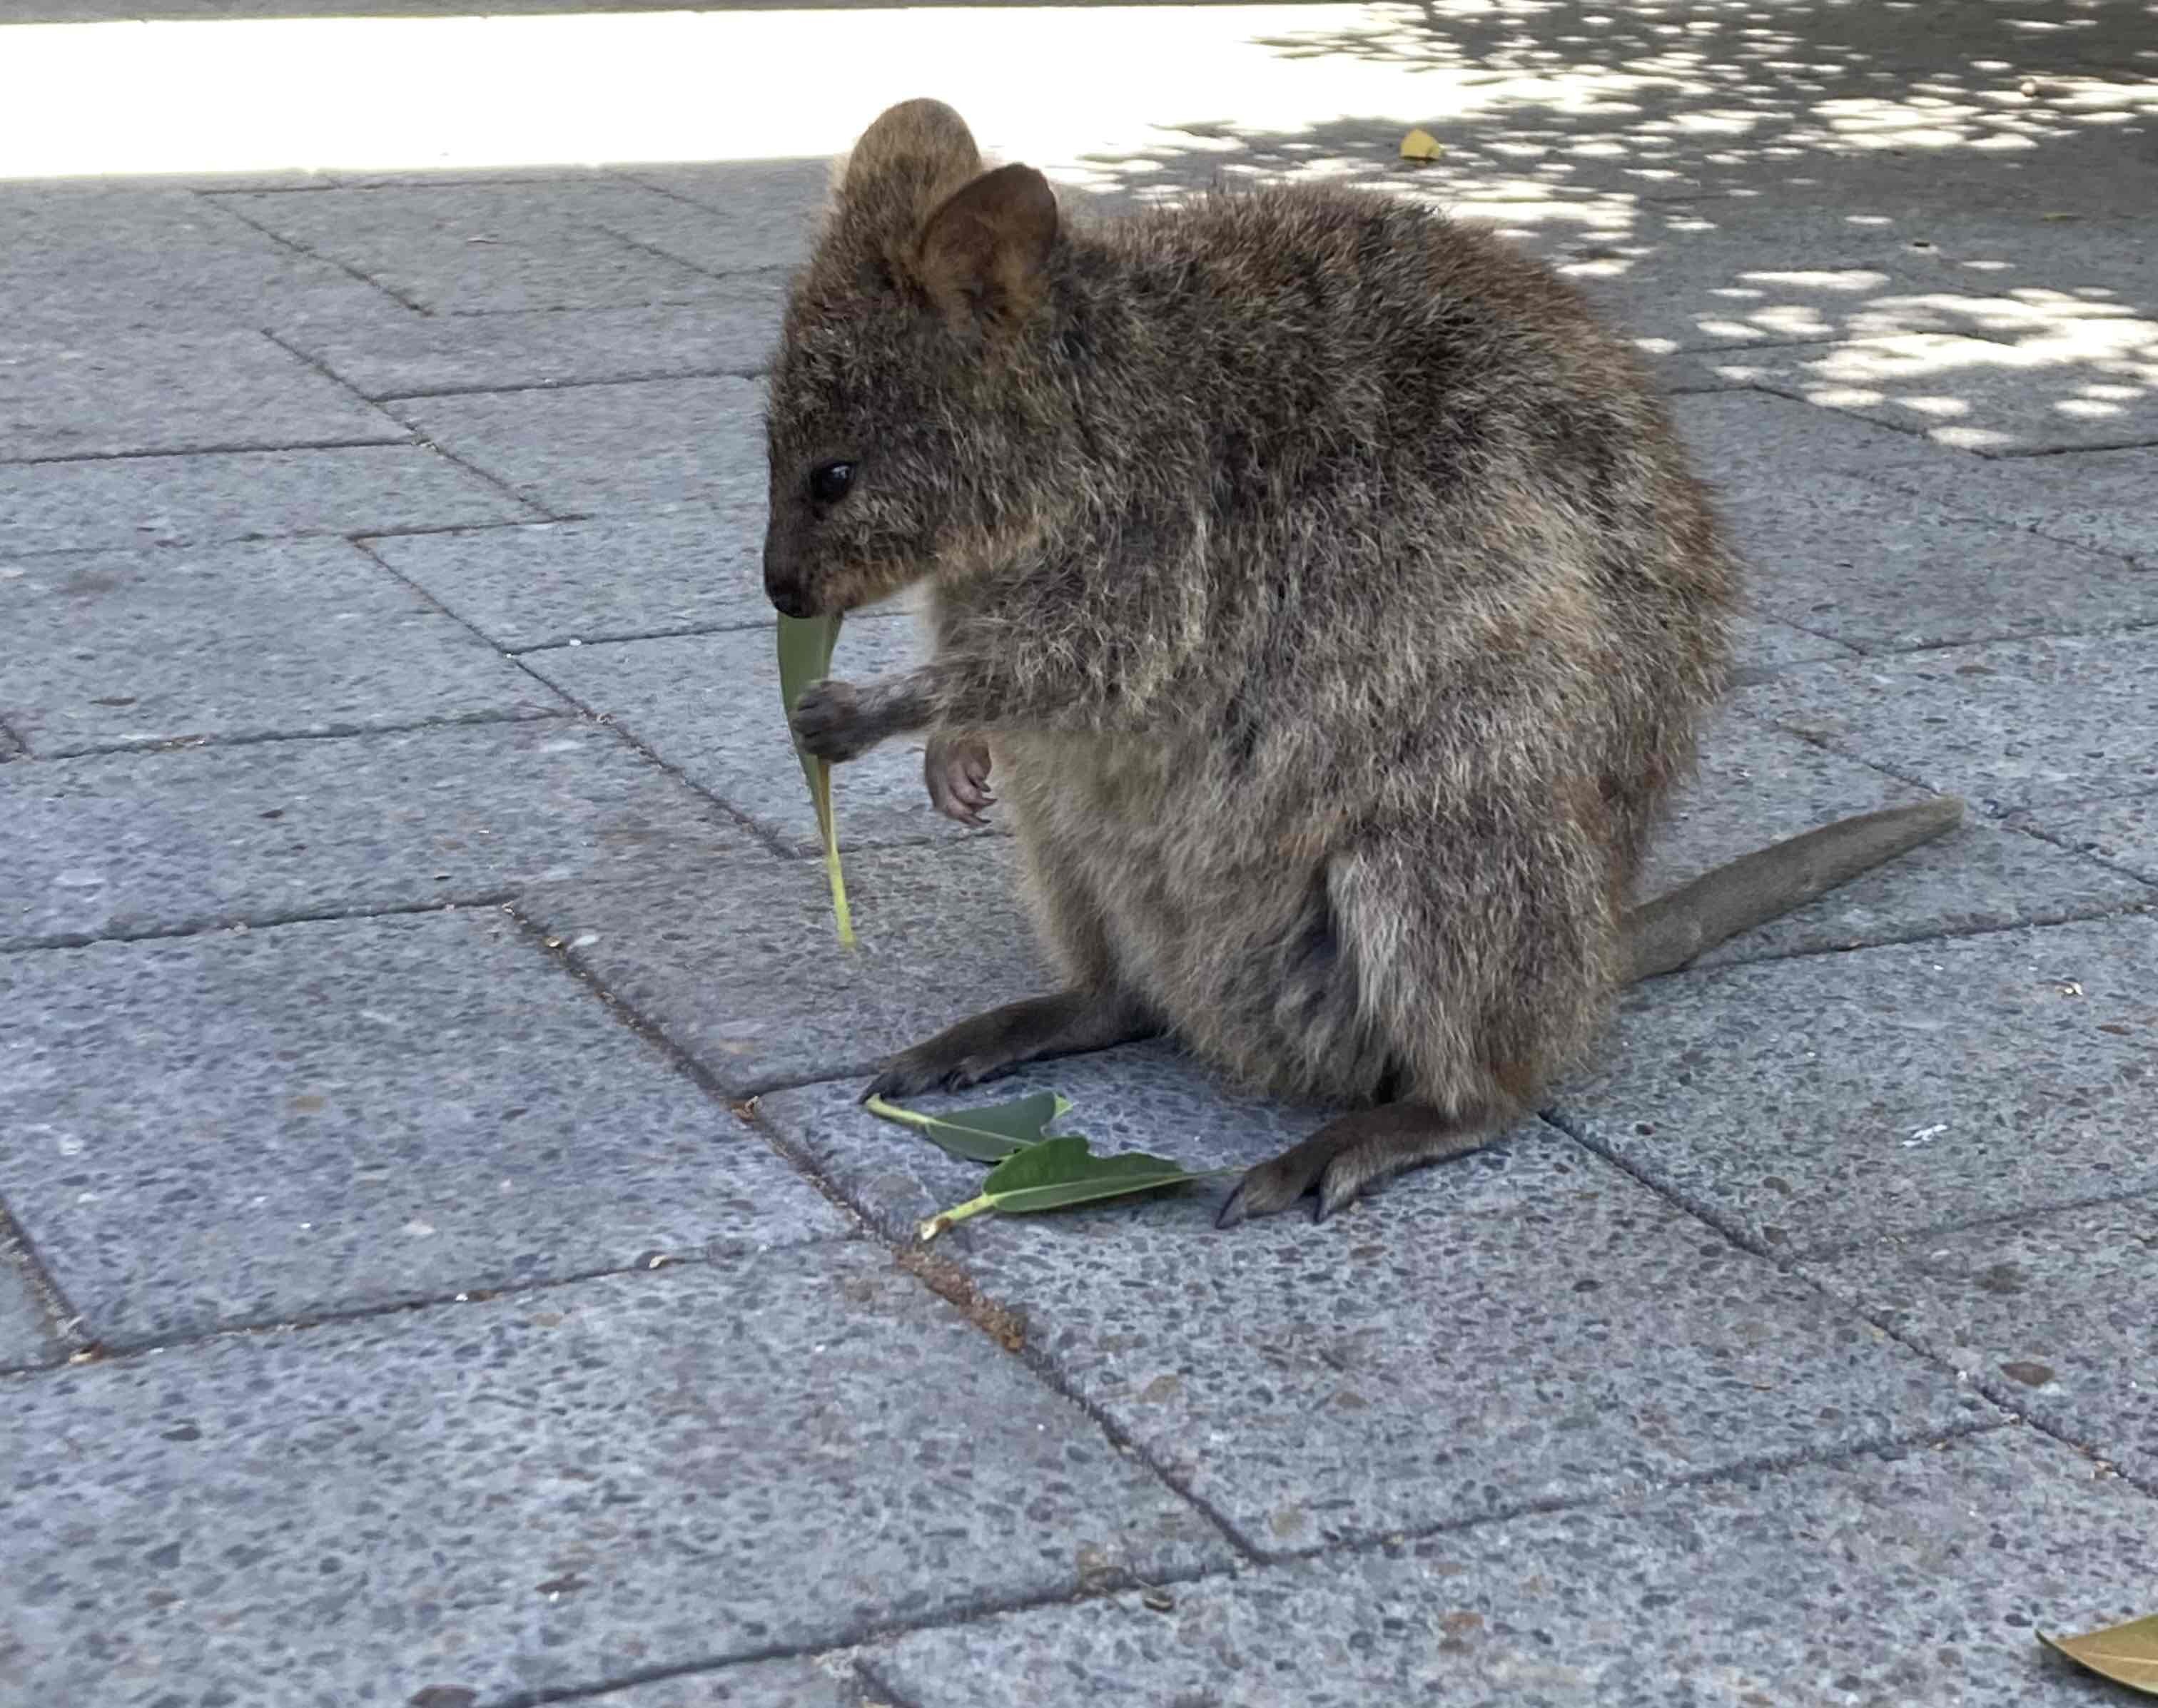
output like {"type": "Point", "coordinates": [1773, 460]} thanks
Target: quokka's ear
{"type": "Point", "coordinates": [912, 157]}
{"type": "Point", "coordinates": [983, 255]}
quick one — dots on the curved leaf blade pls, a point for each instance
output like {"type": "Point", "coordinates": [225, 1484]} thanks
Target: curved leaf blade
{"type": "Point", "coordinates": [2126, 1653]}
{"type": "Point", "coordinates": [805, 656]}
{"type": "Point", "coordinates": [988, 1134]}
{"type": "Point", "coordinates": [1058, 1171]}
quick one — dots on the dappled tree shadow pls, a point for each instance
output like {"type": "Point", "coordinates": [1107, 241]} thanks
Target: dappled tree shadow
{"type": "Point", "coordinates": [1959, 199]}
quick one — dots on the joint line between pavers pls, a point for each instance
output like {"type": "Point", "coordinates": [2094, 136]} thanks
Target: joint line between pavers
{"type": "Point", "coordinates": [306, 360]}
{"type": "Point", "coordinates": [427, 393]}
{"type": "Point", "coordinates": [2015, 1406]}
{"type": "Point", "coordinates": [1830, 1249]}
{"type": "Point", "coordinates": [1763, 1464]}
{"type": "Point", "coordinates": [741, 1106]}
{"type": "Point", "coordinates": [540, 512]}
{"type": "Point", "coordinates": [69, 1326]}
{"type": "Point", "coordinates": [336, 732]}
{"type": "Point", "coordinates": [240, 925]}
{"type": "Point", "coordinates": [242, 450]}
{"type": "Point", "coordinates": [1889, 481]}
{"type": "Point", "coordinates": [1699, 1209]}
{"type": "Point", "coordinates": [2015, 456]}
{"type": "Point", "coordinates": [2055, 839]}
{"type": "Point", "coordinates": [741, 819]}
{"type": "Point", "coordinates": [299, 247]}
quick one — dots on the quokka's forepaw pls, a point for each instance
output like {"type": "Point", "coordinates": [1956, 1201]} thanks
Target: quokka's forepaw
{"type": "Point", "coordinates": [827, 719]}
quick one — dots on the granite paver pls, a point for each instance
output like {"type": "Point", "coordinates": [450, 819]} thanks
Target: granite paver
{"type": "Point", "coordinates": [1911, 1578]}
{"type": "Point", "coordinates": [709, 704]}
{"type": "Point", "coordinates": [550, 1491]}
{"type": "Point", "coordinates": [1573, 1333]}
{"type": "Point", "coordinates": [122, 649]}
{"type": "Point", "coordinates": [27, 1334]}
{"type": "Point", "coordinates": [135, 843]}
{"type": "Point", "coordinates": [740, 965]}
{"type": "Point", "coordinates": [652, 445]}
{"type": "Point", "coordinates": [2095, 499]}
{"type": "Point", "coordinates": [2123, 831]}
{"type": "Point", "coordinates": [815, 1682]}
{"type": "Point", "coordinates": [113, 504]}
{"type": "Point", "coordinates": [102, 393]}
{"type": "Point", "coordinates": [468, 249]}
{"type": "Point", "coordinates": [2013, 724]}
{"type": "Point", "coordinates": [611, 578]}
{"type": "Point", "coordinates": [250, 1128]}
{"type": "Point", "coordinates": [1887, 571]}
{"type": "Point", "coordinates": [2048, 1313]}
{"type": "Point", "coordinates": [1813, 1103]}
{"type": "Point", "coordinates": [733, 330]}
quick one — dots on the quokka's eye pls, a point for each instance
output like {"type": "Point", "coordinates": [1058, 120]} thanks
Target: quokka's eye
{"type": "Point", "coordinates": [828, 481]}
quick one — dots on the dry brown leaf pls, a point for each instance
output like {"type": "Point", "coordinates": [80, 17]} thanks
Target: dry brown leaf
{"type": "Point", "coordinates": [1422, 145]}
{"type": "Point", "coordinates": [2128, 1653]}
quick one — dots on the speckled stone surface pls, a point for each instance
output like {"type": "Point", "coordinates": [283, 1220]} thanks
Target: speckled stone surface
{"type": "Point", "coordinates": [1812, 1103]}
{"type": "Point", "coordinates": [550, 1491]}
{"type": "Point", "coordinates": [480, 249]}
{"type": "Point", "coordinates": [109, 505]}
{"type": "Point", "coordinates": [2074, 383]}
{"type": "Point", "coordinates": [1888, 571]}
{"type": "Point", "coordinates": [2049, 1314]}
{"type": "Point", "coordinates": [701, 567]}
{"type": "Point", "coordinates": [1764, 647]}
{"type": "Point", "coordinates": [758, 213]}
{"type": "Point", "coordinates": [1742, 440]}
{"type": "Point", "coordinates": [817, 1681]}
{"type": "Point", "coordinates": [125, 845]}
{"type": "Point", "coordinates": [402, 354]}
{"type": "Point", "coordinates": [332, 1116]}
{"type": "Point", "coordinates": [740, 965]}
{"type": "Point", "coordinates": [2096, 498]}
{"type": "Point", "coordinates": [709, 704]}
{"type": "Point", "coordinates": [27, 1333]}
{"type": "Point", "coordinates": [1916, 1579]}
{"type": "Point", "coordinates": [1571, 1335]}
{"type": "Point", "coordinates": [122, 649]}
{"type": "Point", "coordinates": [587, 449]}
{"type": "Point", "coordinates": [2123, 831]}
{"type": "Point", "coordinates": [1758, 785]}
{"type": "Point", "coordinates": [2010, 724]}
{"type": "Point", "coordinates": [106, 394]}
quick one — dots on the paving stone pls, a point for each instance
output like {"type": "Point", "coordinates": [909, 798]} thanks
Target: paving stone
{"type": "Point", "coordinates": [91, 257]}
{"type": "Point", "coordinates": [1744, 440]}
{"type": "Point", "coordinates": [1886, 571]}
{"type": "Point", "coordinates": [760, 214]}
{"type": "Point", "coordinates": [1574, 1334]}
{"type": "Point", "coordinates": [399, 1109]}
{"type": "Point", "coordinates": [1741, 1590]}
{"type": "Point", "coordinates": [2074, 383]}
{"type": "Point", "coordinates": [701, 567]}
{"type": "Point", "coordinates": [105, 392]}
{"type": "Point", "coordinates": [2123, 831]}
{"type": "Point", "coordinates": [119, 649]}
{"type": "Point", "coordinates": [131, 844]}
{"type": "Point", "coordinates": [199, 500]}
{"type": "Point", "coordinates": [469, 248]}
{"type": "Point", "coordinates": [27, 1335]}
{"type": "Point", "coordinates": [1764, 647]}
{"type": "Point", "coordinates": [652, 445]}
{"type": "Point", "coordinates": [2049, 1314]}
{"type": "Point", "coordinates": [709, 704]}
{"type": "Point", "coordinates": [816, 1682]}
{"type": "Point", "coordinates": [1759, 785]}
{"type": "Point", "coordinates": [406, 355]}
{"type": "Point", "coordinates": [2065, 264]}
{"type": "Point", "coordinates": [738, 966]}
{"type": "Point", "coordinates": [2098, 499]}
{"type": "Point", "coordinates": [2014, 723]}
{"type": "Point", "coordinates": [545, 1492]}
{"type": "Point", "coordinates": [1815, 1102]}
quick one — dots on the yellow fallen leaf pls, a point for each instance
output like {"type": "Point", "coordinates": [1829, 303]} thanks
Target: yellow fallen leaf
{"type": "Point", "coordinates": [2128, 1653]}
{"type": "Point", "coordinates": [1422, 145]}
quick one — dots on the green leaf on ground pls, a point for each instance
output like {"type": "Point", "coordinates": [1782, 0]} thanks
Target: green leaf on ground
{"type": "Point", "coordinates": [1058, 1172]}
{"type": "Point", "coordinates": [805, 656]}
{"type": "Point", "coordinates": [2128, 1653]}
{"type": "Point", "coordinates": [988, 1134]}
